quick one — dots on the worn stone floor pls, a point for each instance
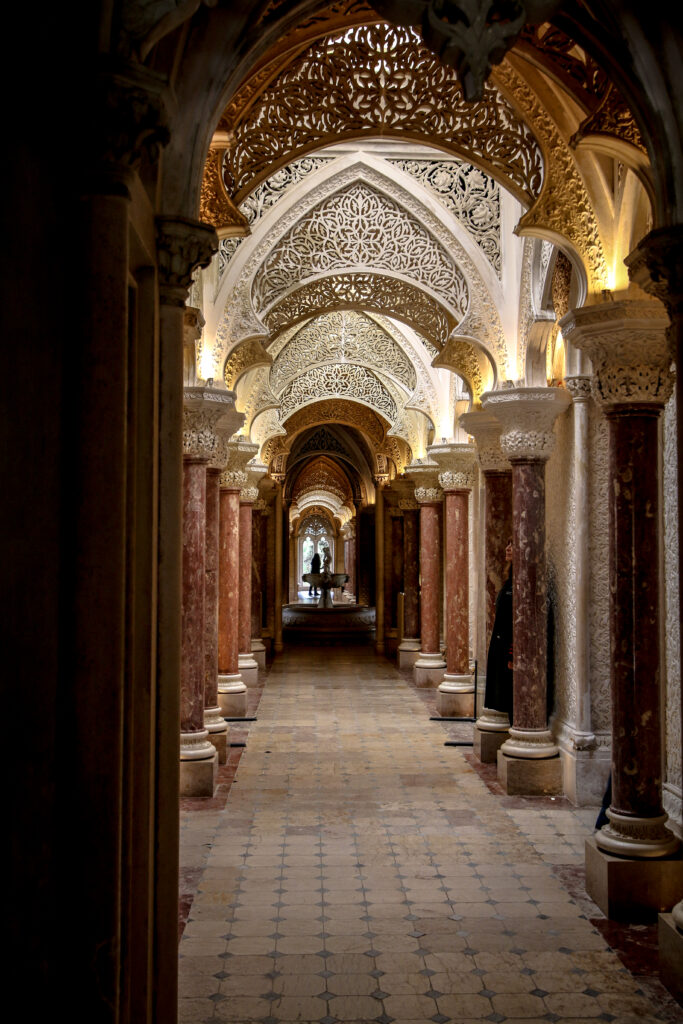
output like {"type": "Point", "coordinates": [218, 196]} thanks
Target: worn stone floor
{"type": "Point", "coordinates": [352, 868]}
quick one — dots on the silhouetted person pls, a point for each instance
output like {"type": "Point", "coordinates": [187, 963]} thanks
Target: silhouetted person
{"type": "Point", "coordinates": [315, 567]}
{"type": "Point", "coordinates": [498, 694]}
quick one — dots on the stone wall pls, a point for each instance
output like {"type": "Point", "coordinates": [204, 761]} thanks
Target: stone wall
{"type": "Point", "coordinates": [672, 646]}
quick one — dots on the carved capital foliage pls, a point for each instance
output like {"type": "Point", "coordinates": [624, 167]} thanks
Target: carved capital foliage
{"type": "Point", "coordinates": [656, 266]}
{"type": "Point", "coordinates": [527, 416]}
{"type": "Point", "coordinates": [182, 246]}
{"type": "Point", "coordinates": [456, 462]}
{"type": "Point", "coordinates": [132, 120]}
{"type": "Point", "coordinates": [208, 416]}
{"type": "Point", "coordinates": [627, 345]}
{"type": "Point", "coordinates": [248, 495]}
{"type": "Point", "coordinates": [233, 480]}
{"type": "Point", "coordinates": [580, 388]}
{"type": "Point", "coordinates": [486, 429]}
{"type": "Point", "coordinates": [428, 495]}
{"type": "Point", "coordinates": [451, 480]}
{"type": "Point", "coordinates": [408, 504]}
{"type": "Point", "coordinates": [215, 205]}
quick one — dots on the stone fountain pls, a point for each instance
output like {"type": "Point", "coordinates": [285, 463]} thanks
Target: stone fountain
{"type": "Point", "coordinates": [325, 581]}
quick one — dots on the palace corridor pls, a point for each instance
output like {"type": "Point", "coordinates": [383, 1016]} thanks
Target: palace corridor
{"type": "Point", "coordinates": [362, 871]}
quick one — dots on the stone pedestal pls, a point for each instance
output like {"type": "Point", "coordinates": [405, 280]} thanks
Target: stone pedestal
{"type": "Point", "coordinates": [258, 651]}
{"type": "Point", "coordinates": [408, 652]}
{"type": "Point", "coordinates": [428, 668]}
{"type": "Point", "coordinates": [671, 956]}
{"type": "Point", "coordinates": [629, 889]}
{"type": "Point", "coordinates": [487, 743]}
{"type": "Point", "coordinates": [520, 776]}
{"type": "Point", "coordinates": [627, 344]}
{"type": "Point", "coordinates": [528, 761]}
{"type": "Point", "coordinates": [198, 778]}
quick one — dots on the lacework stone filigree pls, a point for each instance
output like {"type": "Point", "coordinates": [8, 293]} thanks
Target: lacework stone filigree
{"type": "Point", "coordinates": [469, 194]}
{"type": "Point", "coordinates": [372, 292]}
{"type": "Point", "coordinates": [359, 227]}
{"type": "Point", "coordinates": [322, 441]}
{"type": "Point", "coordinates": [338, 381]}
{"type": "Point", "coordinates": [378, 79]}
{"type": "Point", "coordinates": [344, 337]}
{"type": "Point", "coordinates": [334, 410]}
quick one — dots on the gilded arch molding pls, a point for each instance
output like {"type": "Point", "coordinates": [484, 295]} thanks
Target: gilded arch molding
{"type": "Point", "coordinates": [247, 356]}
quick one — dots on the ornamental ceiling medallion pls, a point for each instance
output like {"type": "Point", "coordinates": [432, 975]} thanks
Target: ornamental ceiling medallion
{"type": "Point", "coordinates": [377, 80]}
{"type": "Point", "coordinates": [342, 337]}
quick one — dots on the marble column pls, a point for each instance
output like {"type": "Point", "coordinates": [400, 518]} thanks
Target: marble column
{"type": "Point", "coordinates": [656, 265]}
{"type": "Point", "coordinates": [214, 721]}
{"type": "Point", "coordinates": [232, 690]}
{"type": "Point", "coordinates": [379, 565]}
{"type": "Point", "coordinates": [248, 668]}
{"type": "Point", "coordinates": [528, 761]}
{"type": "Point", "coordinates": [350, 558]}
{"type": "Point", "coordinates": [455, 695]}
{"type": "Point", "coordinates": [395, 563]}
{"type": "Point", "coordinates": [626, 342]}
{"type": "Point", "coordinates": [204, 409]}
{"type": "Point", "coordinates": [258, 526]}
{"type": "Point", "coordinates": [428, 669]}
{"type": "Point", "coordinates": [492, 727]}
{"type": "Point", "coordinates": [409, 648]}
{"type": "Point", "coordinates": [278, 646]}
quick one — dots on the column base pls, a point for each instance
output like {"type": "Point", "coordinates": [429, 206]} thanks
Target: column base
{"type": "Point", "coordinates": [248, 669]}
{"type": "Point", "coordinates": [585, 774]}
{"type": "Point", "coordinates": [278, 647]}
{"type": "Point", "coordinates": [217, 728]}
{"type": "Point", "coordinates": [530, 744]}
{"type": "Point", "coordinates": [428, 669]}
{"type": "Point", "coordinates": [671, 956]}
{"type": "Point", "coordinates": [524, 776]}
{"type": "Point", "coordinates": [487, 744]}
{"type": "Point", "coordinates": [639, 838]}
{"type": "Point", "coordinates": [408, 653]}
{"type": "Point", "coordinates": [232, 695]}
{"type": "Point", "coordinates": [198, 778]}
{"type": "Point", "coordinates": [455, 696]}
{"type": "Point", "coordinates": [258, 650]}
{"type": "Point", "coordinates": [626, 889]}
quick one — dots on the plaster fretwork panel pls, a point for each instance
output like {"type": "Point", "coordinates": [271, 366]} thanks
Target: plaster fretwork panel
{"type": "Point", "coordinates": [378, 80]}
{"type": "Point", "coordinates": [359, 227]}
{"type": "Point", "coordinates": [339, 381]}
{"type": "Point", "coordinates": [671, 796]}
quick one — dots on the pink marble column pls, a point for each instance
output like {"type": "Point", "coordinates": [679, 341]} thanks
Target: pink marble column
{"type": "Point", "coordinates": [396, 564]}
{"type": "Point", "coordinates": [232, 691]}
{"type": "Point", "coordinates": [628, 348]}
{"type": "Point", "coordinates": [247, 664]}
{"type": "Point", "coordinates": [213, 716]}
{"type": "Point", "coordinates": [258, 576]}
{"type": "Point", "coordinates": [528, 761]}
{"type": "Point", "coordinates": [409, 647]}
{"type": "Point", "coordinates": [428, 668]}
{"type": "Point", "coordinates": [194, 738]}
{"type": "Point", "coordinates": [498, 519]}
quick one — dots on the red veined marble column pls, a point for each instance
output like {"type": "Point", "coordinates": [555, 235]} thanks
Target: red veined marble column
{"type": "Point", "coordinates": [247, 664]}
{"type": "Point", "coordinates": [395, 563]}
{"type": "Point", "coordinates": [213, 716]}
{"type": "Point", "coordinates": [627, 344]}
{"type": "Point", "coordinates": [379, 564]}
{"type": "Point", "coordinates": [528, 761]}
{"type": "Point", "coordinates": [492, 727]}
{"type": "Point", "coordinates": [456, 690]}
{"type": "Point", "coordinates": [428, 669]}
{"type": "Point", "coordinates": [259, 545]}
{"type": "Point", "coordinates": [409, 648]}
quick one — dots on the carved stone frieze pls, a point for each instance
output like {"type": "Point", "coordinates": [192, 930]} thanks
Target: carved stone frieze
{"type": "Point", "coordinates": [564, 206]}
{"type": "Point", "coordinates": [367, 292]}
{"type": "Point", "coordinates": [346, 337]}
{"type": "Point", "coordinates": [527, 416]}
{"type": "Point", "coordinates": [338, 381]}
{"type": "Point", "coordinates": [215, 205]}
{"type": "Point", "coordinates": [246, 356]}
{"type": "Point", "coordinates": [612, 118]}
{"type": "Point", "coordinates": [627, 345]}
{"type": "Point", "coordinates": [466, 192]}
{"type": "Point", "coordinates": [333, 410]}
{"type": "Point", "coordinates": [384, 81]}
{"type": "Point", "coordinates": [182, 246]}
{"type": "Point", "coordinates": [359, 227]}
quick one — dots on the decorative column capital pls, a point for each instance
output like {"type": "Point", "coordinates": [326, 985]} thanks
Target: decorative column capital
{"type": "Point", "coordinates": [428, 495]}
{"type": "Point", "coordinates": [208, 413]}
{"type": "Point", "coordinates": [456, 462]}
{"type": "Point", "coordinates": [240, 453]}
{"type": "Point", "coordinates": [579, 387]}
{"type": "Point", "coordinates": [656, 266]}
{"type": "Point", "coordinates": [527, 416]}
{"type": "Point", "coordinates": [627, 345]}
{"type": "Point", "coordinates": [248, 495]}
{"type": "Point", "coordinates": [182, 246]}
{"type": "Point", "coordinates": [134, 122]}
{"type": "Point", "coordinates": [408, 504]}
{"type": "Point", "coordinates": [486, 430]}
{"type": "Point", "coordinates": [255, 471]}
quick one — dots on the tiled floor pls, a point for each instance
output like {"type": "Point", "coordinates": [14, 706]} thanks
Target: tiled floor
{"type": "Point", "coordinates": [362, 871]}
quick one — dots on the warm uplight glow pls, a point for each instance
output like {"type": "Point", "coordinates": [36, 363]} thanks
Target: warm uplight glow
{"type": "Point", "coordinates": [206, 366]}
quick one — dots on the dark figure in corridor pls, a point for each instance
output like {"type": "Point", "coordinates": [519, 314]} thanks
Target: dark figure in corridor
{"type": "Point", "coordinates": [498, 696]}
{"type": "Point", "coordinates": [315, 567]}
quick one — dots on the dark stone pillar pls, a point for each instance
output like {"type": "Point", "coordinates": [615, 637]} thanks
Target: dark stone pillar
{"type": "Point", "coordinates": [428, 669]}
{"type": "Point", "coordinates": [409, 647]}
{"type": "Point", "coordinates": [213, 716]}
